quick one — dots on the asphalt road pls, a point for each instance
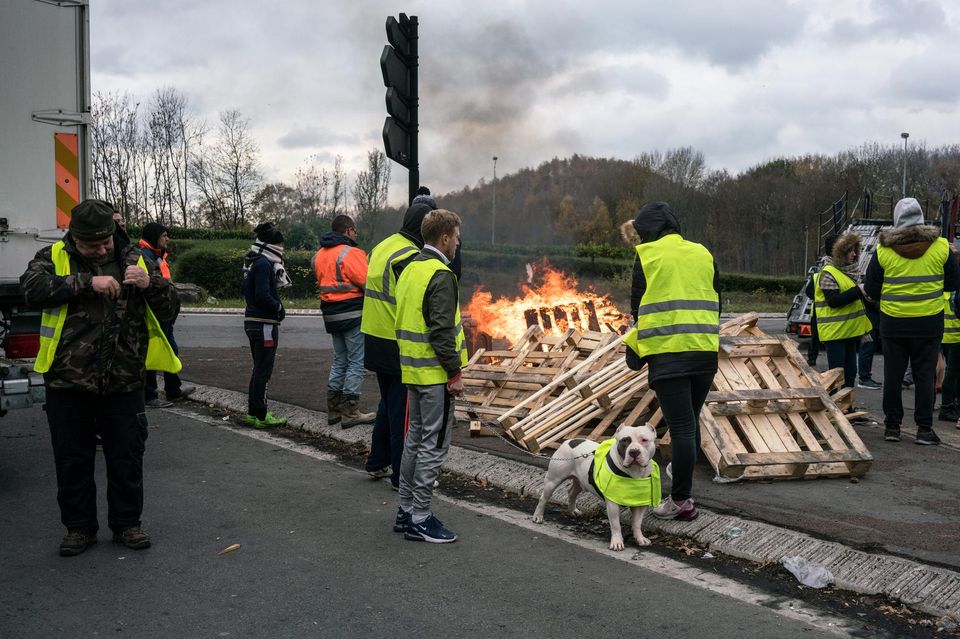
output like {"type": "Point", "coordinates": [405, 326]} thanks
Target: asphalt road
{"type": "Point", "coordinates": [318, 558]}
{"type": "Point", "coordinates": [906, 504]}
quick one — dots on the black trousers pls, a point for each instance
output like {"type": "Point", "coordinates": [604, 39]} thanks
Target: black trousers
{"type": "Point", "coordinates": [263, 339]}
{"type": "Point", "coordinates": [681, 399]}
{"type": "Point", "coordinates": [921, 353]}
{"type": "Point", "coordinates": [171, 381]}
{"type": "Point", "coordinates": [386, 445]}
{"type": "Point", "coordinates": [842, 353]}
{"type": "Point", "coordinates": [74, 418]}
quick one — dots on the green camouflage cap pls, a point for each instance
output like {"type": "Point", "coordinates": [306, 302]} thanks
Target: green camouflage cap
{"type": "Point", "coordinates": [92, 220]}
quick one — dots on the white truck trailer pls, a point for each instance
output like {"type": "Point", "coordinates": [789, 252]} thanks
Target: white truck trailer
{"type": "Point", "coordinates": [44, 162]}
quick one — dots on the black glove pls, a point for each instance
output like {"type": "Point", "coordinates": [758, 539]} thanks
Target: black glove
{"type": "Point", "coordinates": [634, 362]}
{"type": "Point", "coordinates": [281, 313]}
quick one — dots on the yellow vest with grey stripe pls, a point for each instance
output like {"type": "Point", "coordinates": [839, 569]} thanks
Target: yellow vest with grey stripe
{"type": "Point", "coordinates": [913, 287]}
{"type": "Point", "coordinates": [680, 310]}
{"type": "Point", "coordinates": [379, 304]}
{"type": "Point", "coordinates": [418, 361]}
{"type": "Point", "coordinates": [845, 321]}
{"type": "Point", "coordinates": [160, 355]}
{"type": "Point", "coordinates": [951, 324]}
{"type": "Point", "coordinates": [619, 487]}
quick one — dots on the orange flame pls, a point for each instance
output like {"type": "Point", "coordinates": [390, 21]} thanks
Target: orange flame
{"type": "Point", "coordinates": [556, 304]}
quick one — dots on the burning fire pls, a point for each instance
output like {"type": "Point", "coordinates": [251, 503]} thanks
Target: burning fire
{"type": "Point", "coordinates": [555, 305]}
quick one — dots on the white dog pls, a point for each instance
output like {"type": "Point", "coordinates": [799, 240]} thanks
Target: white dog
{"type": "Point", "coordinates": [621, 469]}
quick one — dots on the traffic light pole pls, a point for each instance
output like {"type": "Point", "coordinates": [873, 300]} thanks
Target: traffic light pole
{"type": "Point", "coordinates": [398, 63]}
{"type": "Point", "coordinates": [414, 170]}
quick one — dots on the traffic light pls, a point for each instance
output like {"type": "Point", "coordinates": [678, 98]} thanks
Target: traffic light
{"type": "Point", "coordinates": [398, 63]}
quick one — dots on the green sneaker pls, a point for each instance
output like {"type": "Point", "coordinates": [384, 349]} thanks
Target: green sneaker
{"type": "Point", "coordinates": [250, 420]}
{"type": "Point", "coordinates": [270, 420]}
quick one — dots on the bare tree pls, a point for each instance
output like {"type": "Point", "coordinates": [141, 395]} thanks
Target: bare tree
{"type": "Point", "coordinates": [370, 192]}
{"type": "Point", "coordinates": [227, 173]}
{"type": "Point", "coordinates": [312, 188]}
{"type": "Point", "coordinates": [170, 135]}
{"type": "Point", "coordinates": [338, 189]}
{"type": "Point", "coordinates": [114, 146]}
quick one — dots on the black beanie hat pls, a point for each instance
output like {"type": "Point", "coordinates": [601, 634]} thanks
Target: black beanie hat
{"type": "Point", "coordinates": [92, 220]}
{"type": "Point", "coordinates": [423, 197]}
{"type": "Point", "coordinates": [268, 233]}
{"type": "Point", "coordinates": [151, 233]}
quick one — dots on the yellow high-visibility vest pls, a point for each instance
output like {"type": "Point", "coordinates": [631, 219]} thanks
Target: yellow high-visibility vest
{"type": "Point", "coordinates": [620, 488]}
{"type": "Point", "coordinates": [379, 316]}
{"type": "Point", "coordinates": [679, 311]}
{"type": "Point", "coordinates": [844, 322]}
{"type": "Point", "coordinates": [951, 325]}
{"type": "Point", "coordinates": [913, 288]}
{"type": "Point", "coordinates": [160, 355]}
{"type": "Point", "coordinates": [418, 361]}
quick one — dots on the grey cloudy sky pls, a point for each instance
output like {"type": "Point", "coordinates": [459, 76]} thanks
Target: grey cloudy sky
{"type": "Point", "coordinates": [743, 81]}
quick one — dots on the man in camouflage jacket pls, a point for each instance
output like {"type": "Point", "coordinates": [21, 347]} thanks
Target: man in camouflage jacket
{"type": "Point", "coordinates": [95, 380]}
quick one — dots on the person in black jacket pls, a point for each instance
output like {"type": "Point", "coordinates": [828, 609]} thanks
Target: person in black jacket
{"type": "Point", "coordinates": [911, 312]}
{"type": "Point", "coordinates": [263, 276]}
{"type": "Point", "coordinates": [681, 380]}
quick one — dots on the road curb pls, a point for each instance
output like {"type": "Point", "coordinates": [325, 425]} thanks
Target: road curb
{"type": "Point", "coordinates": [930, 589]}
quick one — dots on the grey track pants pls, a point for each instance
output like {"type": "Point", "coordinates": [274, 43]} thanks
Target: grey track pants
{"type": "Point", "coordinates": [431, 416]}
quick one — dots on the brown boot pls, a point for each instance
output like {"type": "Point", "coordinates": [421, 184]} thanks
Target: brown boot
{"type": "Point", "coordinates": [350, 412]}
{"type": "Point", "coordinates": [334, 400]}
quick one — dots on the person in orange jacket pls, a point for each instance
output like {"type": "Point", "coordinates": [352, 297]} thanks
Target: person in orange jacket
{"type": "Point", "coordinates": [154, 240]}
{"type": "Point", "coordinates": [341, 269]}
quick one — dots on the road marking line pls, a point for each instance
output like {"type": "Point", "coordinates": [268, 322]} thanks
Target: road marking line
{"type": "Point", "coordinates": [794, 609]}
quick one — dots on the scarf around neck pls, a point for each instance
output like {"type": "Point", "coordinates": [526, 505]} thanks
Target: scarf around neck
{"type": "Point", "coordinates": [274, 254]}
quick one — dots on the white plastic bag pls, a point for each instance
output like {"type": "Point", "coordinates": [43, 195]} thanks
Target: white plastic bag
{"type": "Point", "coordinates": [809, 573]}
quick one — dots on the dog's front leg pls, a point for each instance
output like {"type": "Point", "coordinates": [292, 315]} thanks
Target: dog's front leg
{"type": "Point", "coordinates": [613, 515]}
{"type": "Point", "coordinates": [636, 524]}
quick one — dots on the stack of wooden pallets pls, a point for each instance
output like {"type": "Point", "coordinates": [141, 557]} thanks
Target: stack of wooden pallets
{"type": "Point", "coordinates": [497, 380]}
{"type": "Point", "coordinates": [768, 416]}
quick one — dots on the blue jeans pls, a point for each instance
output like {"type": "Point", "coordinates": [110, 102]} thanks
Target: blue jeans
{"type": "Point", "coordinates": [346, 374]}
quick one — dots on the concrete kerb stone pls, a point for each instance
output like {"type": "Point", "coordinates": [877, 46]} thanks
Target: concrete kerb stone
{"type": "Point", "coordinates": [933, 590]}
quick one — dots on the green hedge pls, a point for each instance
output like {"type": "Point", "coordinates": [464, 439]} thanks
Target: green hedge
{"type": "Point", "coordinates": [180, 233]}
{"type": "Point", "coordinates": [220, 271]}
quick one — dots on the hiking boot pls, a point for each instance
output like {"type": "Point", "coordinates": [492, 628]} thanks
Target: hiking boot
{"type": "Point", "coordinates": [949, 413]}
{"type": "Point", "coordinates": [679, 510]}
{"type": "Point", "coordinates": [334, 400]}
{"type": "Point", "coordinates": [133, 538]}
{"type": "Point", "coordinates": [402, 521]}
{"type": "Point", "coordinates": [891, 434]}
{"type": "Point", "coordinates": [350, 414]}
{"type": "Point", "coordinates": [430, 530]}
{"type": "Point", "coordinates": [158, 403]}
{"type": "Point", "coordinates": [386, 471]}
{"type": "Point", "coordinates": [869, 383]}
{"type": "Point", "coordinates": [76, 542]}
{"type": "Point", "coordinates": [927, 438]}
{"type": "Point", "coordinates": [186, 390]}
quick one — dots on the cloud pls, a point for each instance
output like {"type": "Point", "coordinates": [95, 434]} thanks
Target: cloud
{"type": "Point", "coordinates": [312, 137]}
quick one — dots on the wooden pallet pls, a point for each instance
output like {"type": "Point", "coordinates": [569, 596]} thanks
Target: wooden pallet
{"type": "Point", "coordinates": [768, 416]}
{"type": "Point", "coordinates": [594, 405]}
{"type": "Point", "coordinates": [497, 380]}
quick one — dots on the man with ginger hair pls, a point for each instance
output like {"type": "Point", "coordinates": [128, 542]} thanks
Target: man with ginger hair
{"type": "Point", "coordinates": [432, 353]}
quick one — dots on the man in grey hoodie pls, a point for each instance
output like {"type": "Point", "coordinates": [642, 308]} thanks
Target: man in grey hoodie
{"type": "Point", "coordinates": [908, 274]}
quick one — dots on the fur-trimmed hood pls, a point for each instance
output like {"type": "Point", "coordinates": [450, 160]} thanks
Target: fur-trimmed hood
{"type": "Point", "coordinates": [842, 246]}
{"type": "Point", "coordinates": [910, 242]}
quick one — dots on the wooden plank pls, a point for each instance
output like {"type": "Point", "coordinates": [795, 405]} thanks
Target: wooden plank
{"type": "Point", "coordinates": [799, 457]}
{"type": "Point", "coordinates": [763, 394]}
{"type": "Point", "coordinates": [773, 421]}
{"type": "Point", "coordinates": [727, 376]}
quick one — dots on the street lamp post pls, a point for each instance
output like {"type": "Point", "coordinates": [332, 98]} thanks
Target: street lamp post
{"type": "Point", "coordinates": [493, 223]}
{"type": "Point", "coordinates": [904, 135]}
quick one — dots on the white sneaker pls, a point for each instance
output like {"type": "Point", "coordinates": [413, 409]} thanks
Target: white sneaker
{"type": "Point", "coordinates": [683, 511]}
